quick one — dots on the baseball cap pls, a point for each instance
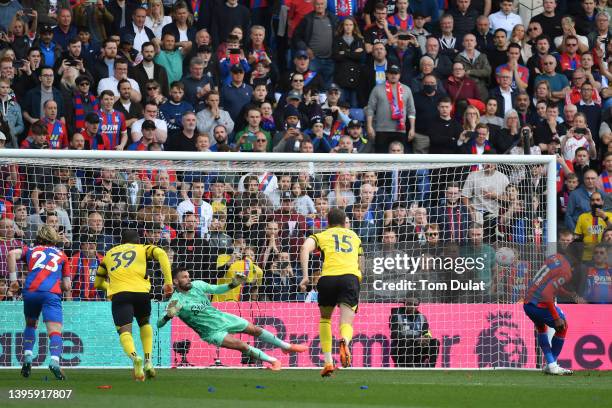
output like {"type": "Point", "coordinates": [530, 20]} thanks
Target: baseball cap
{"type": "Point", "coordinates": [316, 120]}
{"type": "Point", "coordinates": [393, 69]}
{"type": "Point", "coordinates": [82, 78]}
{"type": "Point", "coordinates": [290, 110]}
{"type": "Point", "coordinates": [354, 124]}
{"type": "Point", "coordinates": [287, 195]}
{"type": "Point", "coordinates": [236, 68]}
{"type": "Point", "coordinates": [46, 28]}
{"type": "Point", "coordinates": [2, 136]}
{"type": "Point", "coordinates": [92, 117]}
{"type": "Point", "coordinates": [300, 54]}
{"type": "Point", "coordinates": [333, 87]}
{"type": "Point", "coordinates": [148, 124]}
{"type": "Point", "coordinates": [294, 95]}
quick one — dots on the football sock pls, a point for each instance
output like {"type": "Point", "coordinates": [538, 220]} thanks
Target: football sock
{"type": "Point", "coordinates": [545, 346]}
{"type": "Point", "coordinates": [27, 356]}
{"type": "Point", "coordinates": [146, 337]}
{"type": "Point", "coordinates": [55, 344]}
{"type": "Point", "coordinates": [127, 342]}
{"type": "Point", "coordinates": [346, 332]}
{"type": "Point", "coordinates": [557, 346]}
{"type": "Point", "coordinates": [257, 353]}
{"type": "Point", "coordinates": [272, 339]}
{"type": "Point", "coordinates": [29, 338]}
{"type": "Point", "coordinates": [325, 334]}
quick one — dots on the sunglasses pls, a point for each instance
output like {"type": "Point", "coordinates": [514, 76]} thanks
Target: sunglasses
{"type": "Point", "coordinates": [84, 84]}
{"type": "Point", "coordinates": [297, 80]}
{"type": "Point", "coordinates": [261, 140]}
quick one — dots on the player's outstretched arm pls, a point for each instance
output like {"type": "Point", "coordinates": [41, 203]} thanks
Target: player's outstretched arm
{"type": "Point", "coordinates": [239, 279]}
{"type": "Point", "coordinates": [172, 310]}
{"type": "Point", "coordinates": [164, 262]}
{"type": "Point", "coordinates": [12, 258]}
{"type": "Point", "coordinates": [307, 248]}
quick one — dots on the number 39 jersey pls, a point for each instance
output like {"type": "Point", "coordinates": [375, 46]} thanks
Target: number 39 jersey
{"type": "Point", "coordinates": [47, 265]}
{"type": "Point", "coordinates": [341, 248]}
{"type": "Point", "coordinates": [126, 267]}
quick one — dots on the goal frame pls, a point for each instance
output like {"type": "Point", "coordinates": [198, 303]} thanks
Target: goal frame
{"type": "Point", "coordinates": [410, 159]}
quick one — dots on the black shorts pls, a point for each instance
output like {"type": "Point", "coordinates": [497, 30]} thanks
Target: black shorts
{"type": "Point", "coordinates": [127, 305]}
{"type": "Point", "coordinates": [334, 290]}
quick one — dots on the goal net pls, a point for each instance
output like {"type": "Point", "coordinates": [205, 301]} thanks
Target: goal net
{"type": "Point", "coordinates": [449, 243]}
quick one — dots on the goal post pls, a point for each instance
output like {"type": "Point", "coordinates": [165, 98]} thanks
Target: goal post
{"type": "Point", "coordinates": [218, 213]}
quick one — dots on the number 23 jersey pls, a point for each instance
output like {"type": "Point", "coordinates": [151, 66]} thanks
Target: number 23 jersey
{"type": "Point", "coordinates": [47, 265]}
{"type": "Point", "coordinates": [126, 267]}
{"type": "Point", "coordinates": [341, 248]}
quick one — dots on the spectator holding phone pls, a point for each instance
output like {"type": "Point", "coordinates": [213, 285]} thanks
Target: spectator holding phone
{"type": "Point", "coordinates": [578, 136]}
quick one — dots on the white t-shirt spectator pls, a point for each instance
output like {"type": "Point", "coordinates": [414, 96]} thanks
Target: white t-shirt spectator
{"type": "Point", "coordinates": [111, 83]}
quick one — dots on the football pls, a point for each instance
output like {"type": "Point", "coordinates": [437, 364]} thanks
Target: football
{"type": "Point", "coordinates": [504, 256]}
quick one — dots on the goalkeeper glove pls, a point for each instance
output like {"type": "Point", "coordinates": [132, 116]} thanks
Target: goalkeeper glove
{"type": "Point", "coordinates": [173, 309]}
{"type": "Point", "coordinates": [238, 279]}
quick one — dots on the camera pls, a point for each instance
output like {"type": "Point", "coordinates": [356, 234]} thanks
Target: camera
{"type": "Point", "coordinates": [18, 64]}
{"type": "Point", "coordinates": [580, 131]}
{"type": "Point", "coordinates": [525, 132]}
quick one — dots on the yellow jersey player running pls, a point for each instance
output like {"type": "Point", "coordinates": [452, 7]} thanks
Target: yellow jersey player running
{"type": "Point", "coordinates": [123, 274]}
{"type": "Point", "coordinates": [339, 283]}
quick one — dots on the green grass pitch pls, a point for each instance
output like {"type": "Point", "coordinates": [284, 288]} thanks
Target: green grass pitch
{"type": "Point", "coordinates": [305, 388]}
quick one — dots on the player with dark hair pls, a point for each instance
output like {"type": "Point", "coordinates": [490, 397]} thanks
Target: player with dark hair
{"type": "Point", "coordinates": [49, 275]}
{"type": "Point", "coordinates": [128, 286]}
{"type": "Point", "coordinates": [338, 285]}
{"type": "Point", "coordinates": [540, 306]}
{"type": "Point", "coordinates": [191, 304]}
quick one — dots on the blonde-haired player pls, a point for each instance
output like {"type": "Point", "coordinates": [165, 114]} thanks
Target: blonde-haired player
{"type": "Point", "coordinates": [128, 287]}
{"type": "Point", "coordinates": [338, 284]}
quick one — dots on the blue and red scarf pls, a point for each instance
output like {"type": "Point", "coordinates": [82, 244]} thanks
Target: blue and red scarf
{"type": "Point", "coordinates": [396, 105]}
{"type": "Point", "coordinates": [606, 182]}
{"type": "Point", "coordinates": [309, 76]}
{"type": "Point", "coordinates": [79, 111]}
{"type": "Point", "coordinates": [474, 150]}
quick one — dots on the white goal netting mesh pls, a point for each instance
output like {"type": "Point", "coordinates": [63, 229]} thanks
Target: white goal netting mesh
{"type": "Point", "coordinates": [431, 234]}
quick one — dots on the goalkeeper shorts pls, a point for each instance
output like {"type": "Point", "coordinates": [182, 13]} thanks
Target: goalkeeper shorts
{"type": "Point", "coordinates": [231, 324]}
{"type": "Point", "coordinates": [335, 290]}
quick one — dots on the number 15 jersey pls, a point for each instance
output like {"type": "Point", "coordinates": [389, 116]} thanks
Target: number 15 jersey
{"type": "Point", "coordinates": [341, 248]}
{"type": "Point", "coordinates": [126, 267]}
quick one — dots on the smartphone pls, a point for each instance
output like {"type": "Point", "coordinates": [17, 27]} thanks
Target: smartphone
{"type": "Point", "coordinates": [18, 64]}
{"type": "Point", "coordinates": [60, 229]}
{"type": "Point", "coordinates": [73, 62]}
{"type": "Point", "coordinates": [581, 131]}
{"type": "Point", "coordinates": [234, 56]}
{"type": "Point", "coordinates": [27, 11]}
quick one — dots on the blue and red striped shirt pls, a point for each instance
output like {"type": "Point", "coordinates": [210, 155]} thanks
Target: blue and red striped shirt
{"type": "Point", "coordinates": [112, 125]}
{"type": "Point", "coordinates": [47, 265]}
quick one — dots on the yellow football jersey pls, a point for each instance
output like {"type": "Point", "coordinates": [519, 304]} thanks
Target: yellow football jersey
{"type": "Point", "coordinates": [126, 267]}
{"type": "Point", "coordinates": [341, 248]}
{"type": "Point", "coordinates": [253, 273]}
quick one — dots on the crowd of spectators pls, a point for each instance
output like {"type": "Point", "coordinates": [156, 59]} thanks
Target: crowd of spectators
{"type": "Point", "coordinates": [337, 77]}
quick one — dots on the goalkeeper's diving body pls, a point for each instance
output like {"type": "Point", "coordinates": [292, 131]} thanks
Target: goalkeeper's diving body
{"type": "Point", "coordinates": [191, 304]}
{"type": "Point", "coordinates": [338, 285]}
{"type": "Point", "coordinates": [123, 274]}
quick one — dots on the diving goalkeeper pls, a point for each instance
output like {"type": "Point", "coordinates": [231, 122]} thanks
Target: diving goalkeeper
{"type": "Point", "coordinates": [191, 304]}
